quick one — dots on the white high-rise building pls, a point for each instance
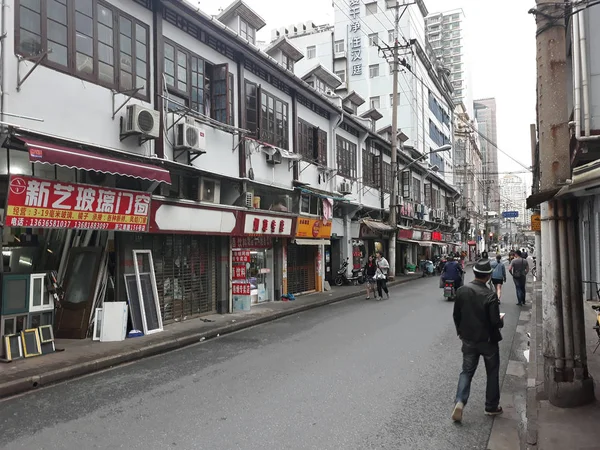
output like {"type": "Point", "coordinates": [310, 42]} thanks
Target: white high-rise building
{"type": "Point", "coordinates": [447, 34]}
{"type": "Point", "coordinates": [352, 49]}
{"type": "Point", "coordinates": [513, 196]}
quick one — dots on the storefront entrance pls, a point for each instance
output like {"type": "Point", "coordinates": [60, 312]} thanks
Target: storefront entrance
{"type": "Point", "coordinates": [260, 275]}
{"type": "Point", "coordinates": [186, 271]}
{"type": "Point", "coordinates": [301, 268]}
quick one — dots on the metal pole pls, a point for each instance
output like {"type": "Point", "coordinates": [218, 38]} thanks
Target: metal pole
{"type": "Point", "coordinates": [564, 386]}
{"type": "Point", "coordinates": [395, 181]}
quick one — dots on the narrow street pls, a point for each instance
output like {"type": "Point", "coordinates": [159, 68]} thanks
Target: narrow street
{"type": "Point", "coordinates": [354, 375]}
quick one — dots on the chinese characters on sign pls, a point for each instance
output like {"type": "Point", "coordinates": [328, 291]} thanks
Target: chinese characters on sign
{"type": "Point", "coordinates": [307, 227]}
{"type": "Point", "coordinates": [354, 38]}
{"type": "Point", "coordinates": [240, 256]}
{"type": "Point", "coordinates": [251, 242]}
{"type": "Point", "coordinates": [267, 225]}
{"type": "Point", "coordinates": [240, 289]}
{"type": "Point", "coordinates": [38, 203]}
{"type": "Point", "coordinates": [239, 272]}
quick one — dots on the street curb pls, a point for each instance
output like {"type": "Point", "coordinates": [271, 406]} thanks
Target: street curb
{"type": "Point", "coordinates": [185, 339]}
{"type": "Point", "coordinates": [534, 369]}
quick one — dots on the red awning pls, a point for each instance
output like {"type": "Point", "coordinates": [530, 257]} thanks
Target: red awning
{"type": "Point", "coordinates": [46, 153]}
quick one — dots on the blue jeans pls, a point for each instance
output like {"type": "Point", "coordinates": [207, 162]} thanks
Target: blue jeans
{"type": "Point", "coordinates": [520, 283]}
{"type": "Point", "coordinates": [491, 358]}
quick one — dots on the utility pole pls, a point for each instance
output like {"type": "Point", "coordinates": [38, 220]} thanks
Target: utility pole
{"type": "Point", "coordinates": [566, 379]}
{"type": "Point", "coordinates": [395, 181]}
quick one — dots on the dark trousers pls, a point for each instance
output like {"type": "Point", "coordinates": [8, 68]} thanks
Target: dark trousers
{"type": "Point", "coordinates": [382, 286]}
{"type": "Point", "coordinates": [520, 283]}
{"type": "Point", "coordinates": [491, 358]}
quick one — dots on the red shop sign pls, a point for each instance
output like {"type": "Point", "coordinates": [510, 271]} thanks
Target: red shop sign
{"type": "Point", "coordinates": [405, 234]}
{"type": "Point", "coordinates": [38, 203]}
{"type": "Point", "coordinates": [436, 236]}
{"type": "Point", "coordinates": [240, 289]}
{"type": "Point", "coordinates": [239, 272]}
{"type": "Point", "coordinates": [240, 256]}
{"type": "Point", "coordinates": [251, 242]}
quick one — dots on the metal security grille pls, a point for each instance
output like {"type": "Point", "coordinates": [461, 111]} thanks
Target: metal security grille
{"type": "Point", "coordinates": [186, 272]}
{"type": "Point", "coordinates": [301, 268]}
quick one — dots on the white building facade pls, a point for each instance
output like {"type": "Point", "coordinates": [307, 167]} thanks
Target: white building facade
{"type": "Point", "coordinates": [247, 171]}
{"type": "Point", "coordinates": [353, 49]}
{"type": "Point", "coordinates": [448, 36]}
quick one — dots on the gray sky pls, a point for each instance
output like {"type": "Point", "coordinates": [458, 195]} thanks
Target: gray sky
{"type": "Point", "coordinates": [502, 46]}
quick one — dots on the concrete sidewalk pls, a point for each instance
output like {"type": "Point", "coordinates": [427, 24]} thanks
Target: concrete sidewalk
{"type": "Point", "coordinates": [85, 356]}
{"type": "Point", "coordinates": [550, 427]}
{"type": "Point", "coordinates": [573, 428]}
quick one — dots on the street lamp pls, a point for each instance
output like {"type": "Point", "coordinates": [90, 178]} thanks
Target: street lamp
{"type": "Point", "coordinates": [443, 148]}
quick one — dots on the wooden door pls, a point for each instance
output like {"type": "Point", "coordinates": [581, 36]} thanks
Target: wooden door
{"type": "Point", "coordinates": [72, 320]}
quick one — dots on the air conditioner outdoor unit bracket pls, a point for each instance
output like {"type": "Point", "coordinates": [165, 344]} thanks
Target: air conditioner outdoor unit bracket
{"type": "Point", "coordinates": [130, 93]}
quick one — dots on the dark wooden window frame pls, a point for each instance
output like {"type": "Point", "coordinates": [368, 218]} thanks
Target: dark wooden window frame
{"type": "Point", "coordinates": [312, 142]}
{"type": "Point", "coordinates": [193, 74]}
{"type": "Point", "coordinates": [346, 155]}
{"type": "Point", "coordinates": [70, 68]}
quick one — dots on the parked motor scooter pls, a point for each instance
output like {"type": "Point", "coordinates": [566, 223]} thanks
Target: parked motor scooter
{"type": "Point", "coordinates": [426, 267]}
{"type": "Point", "coordinates": [341, 278]}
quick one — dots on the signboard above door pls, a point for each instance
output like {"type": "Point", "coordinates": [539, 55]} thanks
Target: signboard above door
{"type": "Point", "coordinates": [38, 203]}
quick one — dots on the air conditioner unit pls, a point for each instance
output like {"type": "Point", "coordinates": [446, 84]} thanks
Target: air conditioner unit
{"type": "Point", "coordinates": [275, 158]}
{"type": "Point", "coordinates": [248, 200]}
{"type": "Point", "coordinates": [345, 188]}
{"type": "Point", "coordinates": [189, 137]}
{"type": "Point", "coordinates": [141, 121]}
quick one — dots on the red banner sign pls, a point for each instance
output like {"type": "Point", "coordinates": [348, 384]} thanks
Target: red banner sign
{"type": "Point", "coordinates": [239, 272]}
{"type": "Point", "coordinates": [436, 236]}
{"type": "Point", "coordinates": [38, 203]}
{"type": "Point", "coordinates": [251, 242]}
{"type": "Point", "coordinates": [240, 256]}
{"type": "Point", "coordinates": [240, 289]}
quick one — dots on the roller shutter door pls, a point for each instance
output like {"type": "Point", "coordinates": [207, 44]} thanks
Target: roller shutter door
{"type": "Point", "coordinates": [186, 272]}
{"type": "Point", "coordinates": [301, 268]}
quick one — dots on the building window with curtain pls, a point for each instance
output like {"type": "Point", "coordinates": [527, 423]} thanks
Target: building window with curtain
{"type": "Point", "coordinates": [406, 187]}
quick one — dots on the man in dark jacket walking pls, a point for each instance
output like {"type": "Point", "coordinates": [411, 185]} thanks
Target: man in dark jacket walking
{"type": "Point", "coordinates": [478, 323]}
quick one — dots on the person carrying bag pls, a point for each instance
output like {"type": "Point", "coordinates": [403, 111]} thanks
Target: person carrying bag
{"type": "Point", "coordinates": [381, 275]}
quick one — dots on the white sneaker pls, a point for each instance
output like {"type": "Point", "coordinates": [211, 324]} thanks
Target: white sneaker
{"type": "Point", "coordinates": [457, 412]}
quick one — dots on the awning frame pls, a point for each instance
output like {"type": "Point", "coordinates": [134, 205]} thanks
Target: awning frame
{"type": "Point", "coordinates": [43, 152]}
{"type": "Point", "coordinates": [302, 241]}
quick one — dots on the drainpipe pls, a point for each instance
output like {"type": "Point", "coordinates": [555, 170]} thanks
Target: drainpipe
{"type": "Point", "coordinates": [581, 79]}
{"type": "Point", "coordinates": [2, 58]}
{"type": "Point", "coordinates": [333, 148]}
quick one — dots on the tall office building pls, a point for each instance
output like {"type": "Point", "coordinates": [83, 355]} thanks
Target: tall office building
{"type": "Point", "coordinates": [447, 34]}
{"type": "Point", "coordinates": [514, 196]}
{"type": "Point", "coordinates": [485, 113]}
{"type": "Point", "coordinates": [345, 60]}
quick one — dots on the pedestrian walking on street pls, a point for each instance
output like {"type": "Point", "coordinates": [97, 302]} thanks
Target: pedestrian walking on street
{"type": "Point", "coordinates": [519, 268]}
{"type": "Point", "coordinates": [498, 275]}
{"type": "Point", "coordinates": [370, 270]}
{"type": "Point", "coordinates": [477, 320]}
{"type": "Point", "coordinates": [381, 275]}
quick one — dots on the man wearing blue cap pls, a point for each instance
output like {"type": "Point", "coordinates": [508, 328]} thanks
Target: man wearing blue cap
{"type": "Point", "coordinates": [478, 323]}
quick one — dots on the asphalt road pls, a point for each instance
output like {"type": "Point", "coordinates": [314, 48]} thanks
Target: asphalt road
{"type": "Point", "coordinates": [353, 375]}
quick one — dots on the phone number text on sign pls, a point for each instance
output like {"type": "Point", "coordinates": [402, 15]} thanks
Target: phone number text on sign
{"type": "Point", "coordinates": [33, 202]}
